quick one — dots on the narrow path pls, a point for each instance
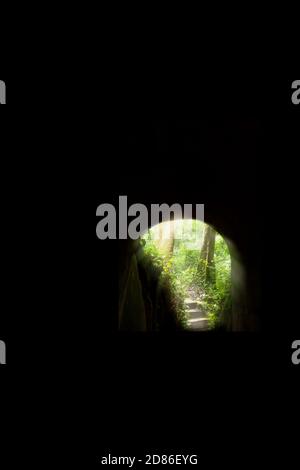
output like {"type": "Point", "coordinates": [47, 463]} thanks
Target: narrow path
{"type": "Point", "coordinates": [197, 317]}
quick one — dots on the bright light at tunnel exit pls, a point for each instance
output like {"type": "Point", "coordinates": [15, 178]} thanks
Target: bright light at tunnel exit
{"type": "Point", "coordinates": [190, 231]}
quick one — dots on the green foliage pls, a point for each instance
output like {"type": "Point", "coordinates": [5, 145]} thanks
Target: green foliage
{"type": "Point", "coordinates": [218, 296]}
{"type": "Point", "coordinates": [184, 273]}
{"type": "Point", "coordinates": [164, 269]}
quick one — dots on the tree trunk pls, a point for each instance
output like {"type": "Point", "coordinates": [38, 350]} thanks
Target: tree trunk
{"type": "Point", "coordinates": [206, 266]}
{"type": "Point", "coordinates": [166, 238]}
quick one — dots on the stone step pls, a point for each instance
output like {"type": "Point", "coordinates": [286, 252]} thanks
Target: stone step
{"type": "Point", "coordinates": [190, 304]}
{"type": "Point", "coordinates": [196, 313]}
{"type": "Point", "coordinates": [198, 326]}
{"type": "Point", "coordinates": [196, 316]}
{"type": "Point", "coordinates": [197, 320]}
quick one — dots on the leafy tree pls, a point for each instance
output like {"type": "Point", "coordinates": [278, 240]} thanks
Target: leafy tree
{"type": "Point", "coordinates": [206, 268]}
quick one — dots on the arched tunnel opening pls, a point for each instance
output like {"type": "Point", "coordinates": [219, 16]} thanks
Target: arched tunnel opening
{"type": "Point", "coordinates": [184, 275]}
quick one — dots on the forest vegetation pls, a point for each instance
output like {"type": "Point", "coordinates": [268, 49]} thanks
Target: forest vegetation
{"type": "Point", "coordinates": [193, 260]}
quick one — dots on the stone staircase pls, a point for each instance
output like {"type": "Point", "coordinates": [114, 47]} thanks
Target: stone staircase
{"type": "Point", "coordinates": [197, 318]}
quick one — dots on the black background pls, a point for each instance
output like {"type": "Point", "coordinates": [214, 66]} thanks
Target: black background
{"type": "Point", "coordinates": [160, 389]}
{"type": "Point", "coordinates": [66, 367]}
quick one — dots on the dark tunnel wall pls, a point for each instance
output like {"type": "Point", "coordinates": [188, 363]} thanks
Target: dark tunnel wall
{"type": "Point", "coordinates": [215, 163]}
{"type": "Point", "coordinates": [246, 295]}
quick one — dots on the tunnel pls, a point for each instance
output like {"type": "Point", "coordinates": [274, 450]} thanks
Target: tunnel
{"type": "Point", "coordinates": [214, 162]}
{"type": "Point", "coordinates": [245, 287]}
